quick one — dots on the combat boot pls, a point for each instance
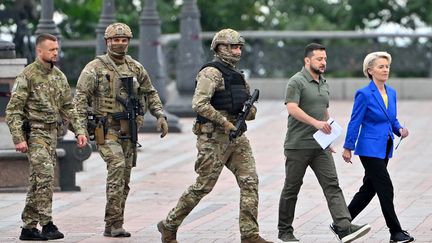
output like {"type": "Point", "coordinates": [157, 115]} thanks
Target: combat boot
{"type": "Point", "coordinates": [255, 239]}
{"type": "Point", "coordinates": [168, 236]}
{"type": "Point", "coordinates": [32, 234]}
{"type": "Point", "coordinates": [120, 232]}
{"type": "Point", "coordinates": [107, 231]}
{"type": "Point", "coordinates": [110, 231]}
{"type": "Point", "coordinates": [51, 231]}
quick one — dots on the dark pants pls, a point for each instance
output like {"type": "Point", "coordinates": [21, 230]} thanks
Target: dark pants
{"type": "Point", "coordinates": [376, 181]}
{"type": "Point", "coordinates": [321, 162]}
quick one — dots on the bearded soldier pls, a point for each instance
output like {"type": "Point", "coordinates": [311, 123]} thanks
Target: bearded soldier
{"type": "Point", "coordinates": [219, 97]}
{"type": "Point", "coordinates": [102, 92]}
{"type": "Point", "coordinates": [41, 97]}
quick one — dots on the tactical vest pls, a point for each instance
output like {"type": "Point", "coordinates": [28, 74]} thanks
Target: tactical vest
{"type": "Point", "coordinates": [232, 98]}
{"type": "Point", "coordinates": [104, 100]}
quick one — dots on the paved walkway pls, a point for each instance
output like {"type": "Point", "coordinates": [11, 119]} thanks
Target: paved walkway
{"type": "Point", "coordinates": [165, 169]}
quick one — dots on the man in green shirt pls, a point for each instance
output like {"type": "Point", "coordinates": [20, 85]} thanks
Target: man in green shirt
{"type": "Point", "coordinates": [307, 101]}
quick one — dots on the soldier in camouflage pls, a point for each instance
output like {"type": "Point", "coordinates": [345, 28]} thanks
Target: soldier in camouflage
{"type": "Point", "coordinates": [97, 89]}
{"type": "Point", "coordinates": [219, 97]}
{"type": "Point", "coordinates": [41, 97]}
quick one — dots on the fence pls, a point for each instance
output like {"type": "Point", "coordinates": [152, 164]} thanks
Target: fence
{"type": "Point", "coordinates": [279, 54]}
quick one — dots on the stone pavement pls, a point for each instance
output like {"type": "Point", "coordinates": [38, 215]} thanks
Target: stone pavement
{"type": "Point", "coordinates": [165, 169]}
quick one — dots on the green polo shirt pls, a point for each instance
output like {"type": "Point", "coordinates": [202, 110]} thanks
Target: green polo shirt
{"type": "Point", "coordinates": [313, 98]}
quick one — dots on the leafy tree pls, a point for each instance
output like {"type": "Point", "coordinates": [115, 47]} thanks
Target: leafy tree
{"type": "Point", "coordinates": [242, 15]}
{"type": "Point", "coordinates": [80, 17]}
{"type": "Point", "coordinates": [352, 14]}
{"type": "Point", "coordinates": [23, 15]}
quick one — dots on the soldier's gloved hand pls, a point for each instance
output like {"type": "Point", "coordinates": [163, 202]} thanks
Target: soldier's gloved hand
{"type": "Point", "coordinates": [228, 127]}
{"type": "Point", "coordinates": [140, 121]}
{"type": "Point", "coordinates": [162, 125]}
{"type": "Point", "coordinates": [252, 113]}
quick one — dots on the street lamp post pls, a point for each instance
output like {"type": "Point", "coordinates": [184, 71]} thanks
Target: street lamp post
{"type": "Point", "coordinates": [190, 59]}
{"type": "Point", "coordinates": [152, 58]}
{"type": "Point", "coordinates": [46, 23]}
{"type": "Point", "coordinates": [106, 18]}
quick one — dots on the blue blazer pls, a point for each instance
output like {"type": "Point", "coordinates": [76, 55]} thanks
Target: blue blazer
{"type": "Point", "coordinates": [377, 122]}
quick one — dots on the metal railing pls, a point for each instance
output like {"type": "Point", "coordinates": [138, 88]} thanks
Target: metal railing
{"type": "Point", "coordinates": [168, 38]}
{"type": "Point", "coordinates": [276, 54]}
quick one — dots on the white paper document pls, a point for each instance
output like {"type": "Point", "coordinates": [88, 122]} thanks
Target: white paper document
{"type": "Point", "coordinates": [324, 140]}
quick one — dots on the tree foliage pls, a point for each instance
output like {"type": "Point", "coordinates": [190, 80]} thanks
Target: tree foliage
{"type": "Point", "coordinates": [80, 17]}
{"type": "Point", "coordinates": [22, 16]}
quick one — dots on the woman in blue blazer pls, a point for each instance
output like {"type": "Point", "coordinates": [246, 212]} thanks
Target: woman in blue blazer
{"type": "Point", "coordinates": [374, 114]}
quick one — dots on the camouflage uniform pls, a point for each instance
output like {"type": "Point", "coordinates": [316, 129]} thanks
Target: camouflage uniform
{"type": "Point", "coordinates": [40, 95]}
{"type": "Point", "coordinates": [97, 88]}
{"type": "Point", "coordinates": [213, 155]}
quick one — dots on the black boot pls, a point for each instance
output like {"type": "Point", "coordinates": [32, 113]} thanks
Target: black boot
{"type": "Point", "coordinates": [32, 234]}
{"type": "Point", "coordinates": [51, 231]}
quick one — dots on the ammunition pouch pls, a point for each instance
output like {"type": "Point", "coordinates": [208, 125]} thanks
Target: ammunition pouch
{"type": "Point", "coordinates": [124, 127]}
{"type": "Point", "coordinates": [99, 134]}
{"type": "Point", "coordinates": [207, 128]}
{"type": "Point", "coordinates": [96, 128]}
{"type": "Point", "coordinates": [203, 128]}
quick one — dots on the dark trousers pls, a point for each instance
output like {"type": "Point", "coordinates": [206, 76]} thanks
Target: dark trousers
{"type": "Point", "coordinates": [376, 181]}
{"type": "Point", "coordinates": [321, 162]}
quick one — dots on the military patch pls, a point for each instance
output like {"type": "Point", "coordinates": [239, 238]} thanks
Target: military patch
{"type": "Point", "coordinates": [20, 83]}
{"type": "Point", "coordinates": [14, 88]}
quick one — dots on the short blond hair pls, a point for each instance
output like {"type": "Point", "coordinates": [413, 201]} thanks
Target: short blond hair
{"type": "Point", "coordinates": [370, 58]}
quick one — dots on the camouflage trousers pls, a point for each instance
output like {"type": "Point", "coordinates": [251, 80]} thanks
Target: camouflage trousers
{"type": "Point", "coordinates": [209, 164]}
{"type": "Point", "coordinates": [42, 159]}
{"type": "Point", "coordinates": [118, 156]}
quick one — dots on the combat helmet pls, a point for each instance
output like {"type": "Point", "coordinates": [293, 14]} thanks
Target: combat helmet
{"type": "Point", "coordinates": [117, 30]}
{"type": "Point", "coordinates": [227, 37]}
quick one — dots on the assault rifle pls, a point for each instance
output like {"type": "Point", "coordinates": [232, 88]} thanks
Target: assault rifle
{"type": "Point", "coordinates": [133, 109]}
{"type": "Point", "coordinates": [240, 123]}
